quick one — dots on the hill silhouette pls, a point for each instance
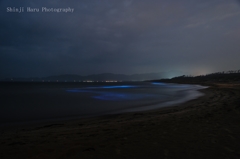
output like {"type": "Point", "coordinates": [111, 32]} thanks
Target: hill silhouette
{"type": "Point", "coordinates": [218, 77]}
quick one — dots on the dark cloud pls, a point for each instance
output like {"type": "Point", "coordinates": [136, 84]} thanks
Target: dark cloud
{"type": "Point", "coordinates": [119, 36]}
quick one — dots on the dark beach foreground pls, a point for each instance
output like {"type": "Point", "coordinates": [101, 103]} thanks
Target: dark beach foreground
{"type": "Point", "coordinates": [207, 127]}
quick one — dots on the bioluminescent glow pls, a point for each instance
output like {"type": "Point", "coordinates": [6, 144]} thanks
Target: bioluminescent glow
{"type": "Point", "coordinates": [159, 83]}
{"type": "Point", "coordinates": [111, 87]}
{"type": "Point", "coordinates": [78, 91]}
{"type": "Point", "coordinates": [110, 95]}
{"type": "Point", "coordinates": [121, 86]}
{"type": "Point", "coordinates": [170, 86]}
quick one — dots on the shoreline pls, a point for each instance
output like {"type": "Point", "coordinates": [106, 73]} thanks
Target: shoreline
{"type": "Point", "coordinates": [53, 105]}
{"type": "Point", "coordinates": [206, 127]}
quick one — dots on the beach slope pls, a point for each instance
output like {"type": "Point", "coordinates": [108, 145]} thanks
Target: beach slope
{"type": "Point", "coordinates": [207, 127]}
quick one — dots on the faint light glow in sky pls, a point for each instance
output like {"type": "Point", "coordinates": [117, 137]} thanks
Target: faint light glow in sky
{"type": "Point", "coordinates": [129, 36]}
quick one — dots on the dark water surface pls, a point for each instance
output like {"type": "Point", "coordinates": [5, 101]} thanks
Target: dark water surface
{"type": "Point", "coordinates": [41, 101]}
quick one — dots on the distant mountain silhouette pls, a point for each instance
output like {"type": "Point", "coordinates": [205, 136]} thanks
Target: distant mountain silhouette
{"type": "Point", "coordinates": [106, 77]}
{"type": "Point", "coordinates": [217, 77]}
{"type": "Point", "coordinates": [94, 77]}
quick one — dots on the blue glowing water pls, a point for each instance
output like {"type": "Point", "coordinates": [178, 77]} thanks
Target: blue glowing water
{"type": "Point", "coordinates": [101, 94]}
{"type": "Point", "coordinates": [24, 103]}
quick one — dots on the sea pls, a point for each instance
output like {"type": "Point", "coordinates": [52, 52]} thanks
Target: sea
{"type": "Point", "coordinates": [29, 101]}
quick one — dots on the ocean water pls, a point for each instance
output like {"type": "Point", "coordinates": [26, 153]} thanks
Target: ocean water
{"type": "Point", "coordinates": [21, 102]}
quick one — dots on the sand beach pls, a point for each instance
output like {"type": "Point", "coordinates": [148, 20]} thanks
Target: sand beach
{"type": "Point", "coordinates": [207, 127]}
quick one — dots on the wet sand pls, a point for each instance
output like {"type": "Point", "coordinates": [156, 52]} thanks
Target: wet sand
{"type": "Point", "coordinates": [207, 127]}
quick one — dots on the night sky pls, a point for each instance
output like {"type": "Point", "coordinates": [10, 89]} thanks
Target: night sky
{"type": "Point", "coordinates": [119, 36]}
